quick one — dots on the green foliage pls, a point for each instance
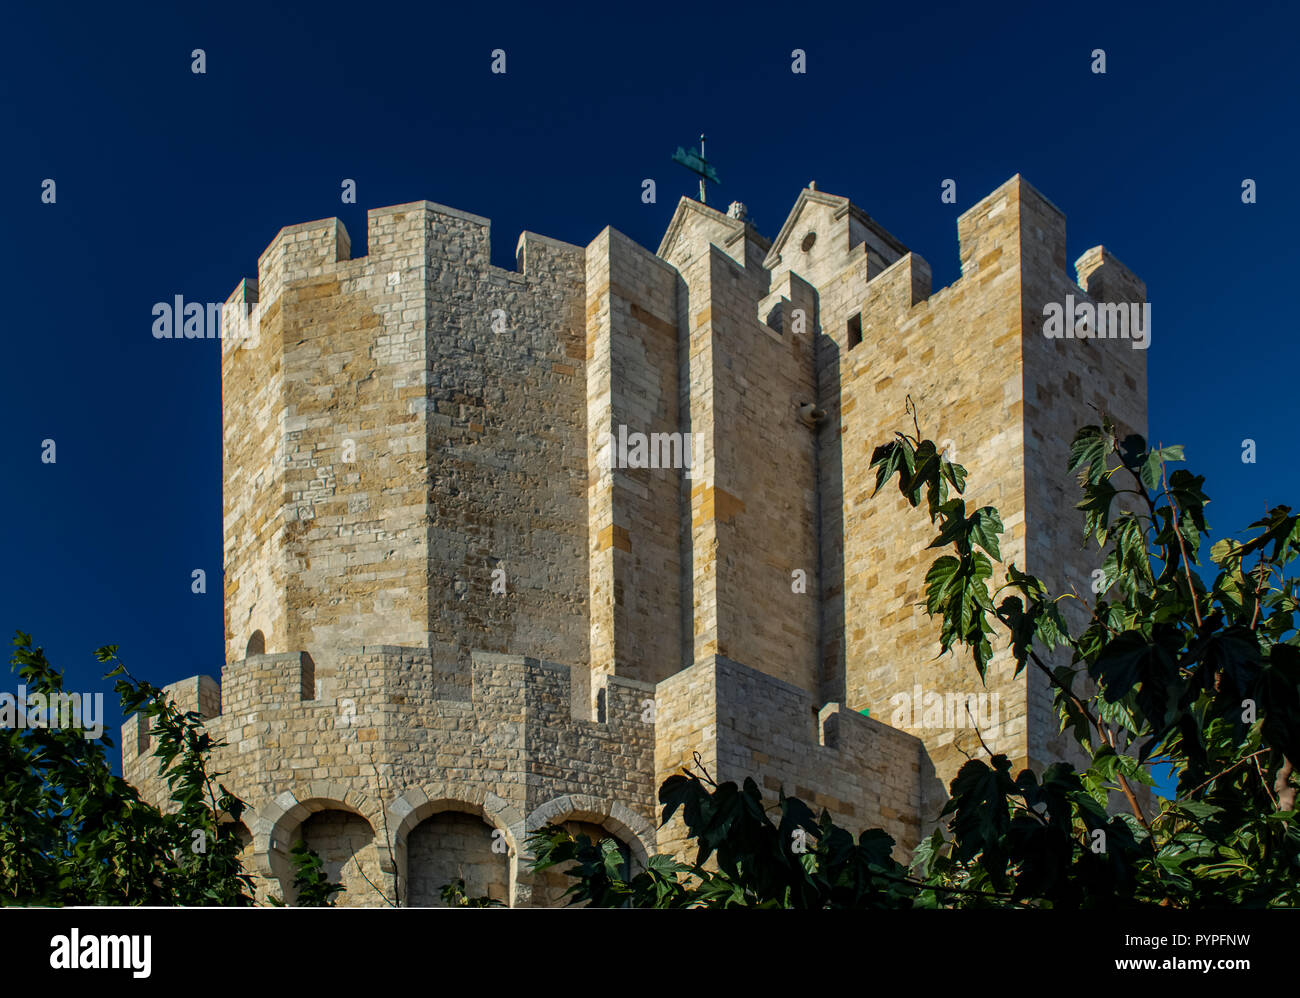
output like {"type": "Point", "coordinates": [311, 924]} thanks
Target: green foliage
{"type": "Point", "coordinates": [73, 833]}
{"type": "Point", "coordinates": [798, 860]}
{"type": "Point", "coordinates": [1167, 669]}
{"type": "Point", "coordinates": [454, 896]}
{"type": "Point", "coordinates": [310, 883]}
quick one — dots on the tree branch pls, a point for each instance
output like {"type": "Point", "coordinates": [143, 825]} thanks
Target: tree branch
{"type": "Point", "coordinates": [1282, 785]}
{"type": "Point", "coordinates": [1178, 533]}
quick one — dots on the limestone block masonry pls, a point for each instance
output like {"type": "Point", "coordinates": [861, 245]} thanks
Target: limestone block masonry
{"type": "Point", "coordinates": [455, 613]}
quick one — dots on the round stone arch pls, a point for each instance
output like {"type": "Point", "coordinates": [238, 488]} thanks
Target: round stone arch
{"type": "Point", "coordinates": [416, 804]}
{"type": "Point", "coordinates": [617, 819]}
{"type": "Point", "coordinates": [279, 818]}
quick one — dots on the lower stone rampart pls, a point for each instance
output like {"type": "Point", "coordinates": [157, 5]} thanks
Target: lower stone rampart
{"type": "Point", "coordinates": [412, 775]}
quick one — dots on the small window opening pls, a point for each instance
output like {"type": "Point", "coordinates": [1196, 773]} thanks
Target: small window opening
{"type": "Point", "coordinates": [855, 330]}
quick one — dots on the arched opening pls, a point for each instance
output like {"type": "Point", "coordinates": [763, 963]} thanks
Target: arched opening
{"type": "Point", "coordinates": [308, 676]}
{"type": "Point", "coordinates": [453, 845]}
{"type": "Point", "coordinates": [345, 842]}
{"type": "Point", "coordinates": [549, 888]}
{"type": "Point", "coordinates": [256, 644]}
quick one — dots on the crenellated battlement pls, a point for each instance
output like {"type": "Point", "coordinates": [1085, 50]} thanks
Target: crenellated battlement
{"type": "Point", "coordinates": [386, 678]}
{"type": "Point", "coordinates": [867, 773]}
{"type": "Point", "coordinates": [406, 238]}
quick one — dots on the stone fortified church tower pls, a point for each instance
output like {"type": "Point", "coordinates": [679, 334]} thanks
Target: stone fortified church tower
{"type": "Point", "coordinates": [449, 621]}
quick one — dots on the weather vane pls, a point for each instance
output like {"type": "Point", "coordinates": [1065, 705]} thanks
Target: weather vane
{"type": "Point", "coordinates": [698, 165]}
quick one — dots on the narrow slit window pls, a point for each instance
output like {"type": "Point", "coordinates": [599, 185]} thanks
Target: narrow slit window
{"type": "Point", "coordinates": [855, 330]}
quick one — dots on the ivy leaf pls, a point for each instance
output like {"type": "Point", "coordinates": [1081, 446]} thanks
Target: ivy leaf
{"type": "Point", "coordinates": [1096, 505]}
{"type": "Point", "coordinates": [887, 459]}
{"type": "Point", "coordinates": [1088, 450]}
{"type": "Point", "coordinates": [939, 581]}
{"type": "Point", "coordinates": [981, 819]}
{"type": "Point", "coordinates": [1151, 466]}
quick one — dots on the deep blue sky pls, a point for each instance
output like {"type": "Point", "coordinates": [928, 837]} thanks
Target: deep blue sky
{"type": "Point", "coordinates": [172, 183]}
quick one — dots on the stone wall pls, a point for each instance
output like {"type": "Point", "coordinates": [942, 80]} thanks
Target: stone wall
{"type": "Point", "coordinates": [346, 845]}
{"type": "Point", "coordinates": [450, 846]}
{"type": "Point", "coordinates": [383, 431]}
{"type": "Point", "coordinates": [391, 751]}
{"type": "Point", "coordinates": [634, 513]}
{"type": "Point", "coordinates": [866, 773]}
{"type": "Point", "coordinates": [968, 357]}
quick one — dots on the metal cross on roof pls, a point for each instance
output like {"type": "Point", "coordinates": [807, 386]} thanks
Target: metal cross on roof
{"type": "Point", "coordinates": [698, 165]}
